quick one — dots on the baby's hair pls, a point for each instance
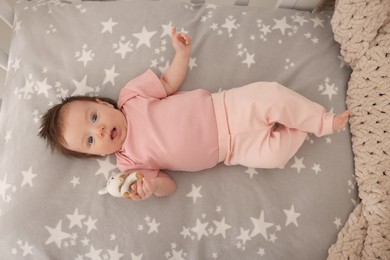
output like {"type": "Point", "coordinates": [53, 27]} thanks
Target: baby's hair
{"type": "Point", "coordinates": [52, 125]}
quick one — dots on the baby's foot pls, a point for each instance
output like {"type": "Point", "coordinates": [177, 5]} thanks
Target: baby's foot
{"type": "Point", "coordinates": [340, 120]}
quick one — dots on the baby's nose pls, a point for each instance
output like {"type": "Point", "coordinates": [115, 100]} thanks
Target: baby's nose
{"type": "Point", "coordinates": [101, 130]}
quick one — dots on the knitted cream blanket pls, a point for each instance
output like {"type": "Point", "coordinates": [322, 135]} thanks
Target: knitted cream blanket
{"type": "Point", "coordinates": [362, 27]}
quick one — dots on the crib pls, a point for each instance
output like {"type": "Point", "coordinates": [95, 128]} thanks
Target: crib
{"type": "Point", "coordinates": [50, 207]}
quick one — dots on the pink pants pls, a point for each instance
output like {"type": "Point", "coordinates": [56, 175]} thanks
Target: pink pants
{"type": "Point", "coordinates": [246, 119]}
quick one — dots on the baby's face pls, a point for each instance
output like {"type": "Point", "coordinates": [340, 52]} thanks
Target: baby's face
{"type": "Point", "coordinates": [95, 128]}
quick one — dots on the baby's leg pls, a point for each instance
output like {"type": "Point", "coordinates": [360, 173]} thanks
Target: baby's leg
{"type": "Point", "coordinates": [297, 112]}
{"type": "Point", "coordinates": [258, 150]}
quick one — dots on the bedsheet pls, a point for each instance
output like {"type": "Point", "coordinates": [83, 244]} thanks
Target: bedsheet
{"type": "Point", "coordinates": [49, 205]}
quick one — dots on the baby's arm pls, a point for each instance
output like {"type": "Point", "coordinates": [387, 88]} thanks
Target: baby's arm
{"type": "Point", "coordinates": [174, 76]}
{"type": "Point", "coordinates": [162, 185]}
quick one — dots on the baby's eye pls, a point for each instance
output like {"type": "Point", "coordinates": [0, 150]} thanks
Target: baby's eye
{"type": "Point", "coordinates": [94, 118]}
{"type": "Point", "coordinates": [90, 140]}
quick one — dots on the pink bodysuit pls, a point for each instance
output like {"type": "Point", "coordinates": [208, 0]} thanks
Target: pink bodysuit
{"type": "Point", "coordinates": [178, 132]}
{"type": "Point", "coordinates": [195, 130]}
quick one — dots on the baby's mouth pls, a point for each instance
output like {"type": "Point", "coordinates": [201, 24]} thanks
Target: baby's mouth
{"type": "Point", "coordinates": [114, 133]}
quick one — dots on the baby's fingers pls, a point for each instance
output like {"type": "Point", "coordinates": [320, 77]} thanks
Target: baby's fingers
{"type": "Point", "coordinates": [135, 196]}
{"type": "Point", "coordinates": [184, 38]}
{"type": "Point", "coordinates": [181, 37]}
{"type": "Point", "coordinates": [173, 31]}
{"type": "Point", "coordinates": [147, 189]}
{"type": "Point", "coordinates": [140, 189]}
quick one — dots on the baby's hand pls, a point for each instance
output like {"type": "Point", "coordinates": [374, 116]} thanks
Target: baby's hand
{"type": "Point", "coordinates": [181, 41]}
{"type": "Point", "coordinates": [144, 189]}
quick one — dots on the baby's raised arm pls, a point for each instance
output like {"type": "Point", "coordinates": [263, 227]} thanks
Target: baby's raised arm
{"type": "Point", "coordinates": [162, 185]}
{"type": "Point", "coordinates": [174, 76]}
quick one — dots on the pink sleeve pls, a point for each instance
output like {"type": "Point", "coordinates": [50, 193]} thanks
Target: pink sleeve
{"type": "Point", "coordinates": [146, 85]}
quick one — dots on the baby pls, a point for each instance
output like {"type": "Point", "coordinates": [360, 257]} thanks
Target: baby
{"type": "Point", "coordinates": [154, 127]}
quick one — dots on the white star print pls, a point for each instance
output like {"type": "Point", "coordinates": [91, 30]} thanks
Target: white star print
{"type": "Point", "coordinates": [298, 164]}
{"type": "Point", "coordinates": [221, 227]}
{"type": "Point", "coordinates": [318, 22]}
{"type": "Point", "coordinates": [291, 216]}
{"type": "Point", "coordinates": [107, 26]}
{"type": "Point", "coordinates": [8, 136]}
{"type": "Point", "coordinates": [162, 69]}
{"type": "Point", "coordinates": [195, 193]}
{"type": "Point", "coordinates": [249, 60]}
{"type": "Point", "coordinates": [185, 232]}
{"type": "Point", "coordinates": [252, 172]}
{"type": "Point", "coordinates": [167, 28]}
{"type": "Point", "coordinates": [330, 90]}
{"type": "Point", "coordinates": [114, 254]}
{"type": "Point", "coordinates": [81, 87]}
{"type": "Point", "coordinates": [140, 227]}
{"type": "Point", "coordinates": [75, 181]}
{"type": "Point", "coordinates": [244, 235]}
{"type": "Point", "coordinates": [28, 176]}
{"type": "Point", "coordinates": [177, 255]}
{"type": "Point", "coordinates": [43, 87]}
{"type": "Point", "coordinates": [337, 222]}
{"type": "Point", "coordinates": [261, 251]}
{"type": "Point", "coordinates": [136, 257]}
{"type": "Point", "coordinates": [4, 186]}
{"type": "Point", "coordinates": [260, 226]}
{"type": "Point", "coordinates": [85, 241]}
{"type": "Point", "coordinates": [27, 249]}
{"type": "Point", "coordinates": [230, 24]}
{"type": "Point", "coordinates": [27, 89]}
{"type": "Point", "coordinates": [153, 226]}
{"type": "Point", "coordinates": [90, 223]}
{"type": "Point", "coordinates": [144, 37]}
{"type": "Point", "coordinates": [75, 219]}
{"type": "Point", "coordinates": [316, 168]}
{"type": "Point", "coordinates": [272, 238]}
{"type": "Point", "coordinates": [192, 63]}
{"type": "Point", "coordinates": [16, 64]}
{"type": "Point", "coordinates": [200, 229]}
{"type": "Point", "coordinates": [110, 75]}
{"type": "Point", "coordinates": [300, 19]}
{"type": "Point", "coordinates": [85, 57]}
{"type": "Point", "coordinates": [265, 29]}
{"type": "Point", "coordinates": [124, 48]}
{"type": "Point", "coordinates": [56, 235]}
{"type": "Point", "coordinates": [281, 25]}
{"type": "Point", "coordinates": [93, 253]}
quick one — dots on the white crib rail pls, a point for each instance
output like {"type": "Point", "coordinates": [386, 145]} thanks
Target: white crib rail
{"type": "Point", "coordinates": [3, 60]}
{"type": "Point", "coordinates": [6, 14]}
{"type": "Point", "coordinates": [292, 4]}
